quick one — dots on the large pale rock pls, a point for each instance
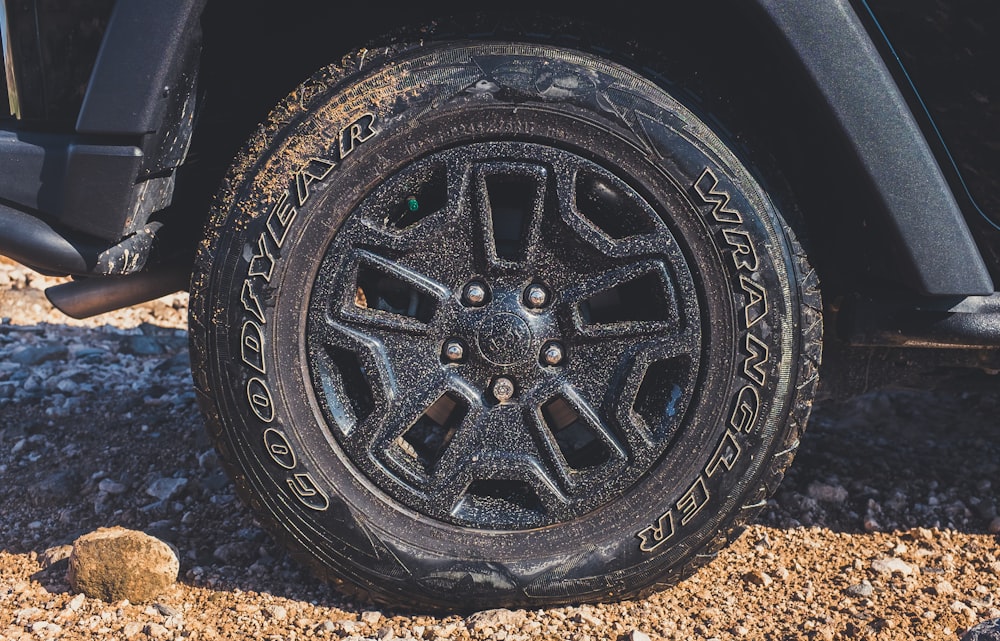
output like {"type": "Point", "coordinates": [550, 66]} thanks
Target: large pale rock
{"type": "Point", "coordinates": [115, 563]}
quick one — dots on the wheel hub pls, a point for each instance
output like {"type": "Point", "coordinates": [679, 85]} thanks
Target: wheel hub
{"type": "Point", "coordinates": [504, 339]}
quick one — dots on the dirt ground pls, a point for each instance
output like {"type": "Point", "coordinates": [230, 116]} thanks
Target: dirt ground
{"type": "Point", "coordinates": [885, 528]}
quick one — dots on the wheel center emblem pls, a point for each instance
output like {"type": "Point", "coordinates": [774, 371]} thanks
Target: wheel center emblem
{"type": "Point", "coordinates": [504, 338]}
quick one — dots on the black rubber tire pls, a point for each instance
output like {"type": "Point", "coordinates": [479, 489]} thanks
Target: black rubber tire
{"type": "Point", "coordinates": [737, 283]}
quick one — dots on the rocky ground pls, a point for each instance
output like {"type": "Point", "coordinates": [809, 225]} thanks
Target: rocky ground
{"type": "Point", "coordinates": [886, 527]}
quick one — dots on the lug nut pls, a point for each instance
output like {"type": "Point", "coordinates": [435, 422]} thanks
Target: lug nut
{"type": "Point", "coordinates": [503, 389]}
{"type": "Point", "coordinates": [536, 296]}
{"type": "Point", "coordinates": [454, 351]}
{"type": "Point", "coordinates": [474, 294]}
{"type": "Point", "coordinates": [553, 354]}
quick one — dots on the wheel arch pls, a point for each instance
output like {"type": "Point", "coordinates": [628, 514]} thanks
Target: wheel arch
{"type": "Point", "coordinates": [796, 86]}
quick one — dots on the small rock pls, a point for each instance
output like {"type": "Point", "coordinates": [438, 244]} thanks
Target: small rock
{"type": "Point", "coordinates": [892, 565]}
{"type": "Point", "coordinates": [54, 555]}
{"type": "Point", "coordinates": [140, 346]}
{"type": "Point", "coordinates": [36, 355]}
{"type": "Point", "coordinates": [587, 617]}
{"type": "Point", "coordinates": [40, 627]}
{"type": "Point", "coordinates": [638, 635]}
{"type": "Point", "coordinates": [827, 493]}
{"type": "Point", "coordinates": [861, 590]}
{"type": "Point", "coordinates": [277, 612]}
{"type": "Point", "coordinates": [944, 589]}
{"type": "Point", "coordinates": [58, 487]}
{"type": "Point", "coordinates": [132, 629]}
{"type": "Point", "coordinates": [349, 627]}
{"type": "Point", "coordinates": [111, 487]}
{"type": "Point", "coordinates": [236, 553]}
{"type": "Point", "coordinates": [208, 460]}
{"type": "Point", "coordinates": [165, 489]}
{"type": "Point", "coordinates": [156, 631]}
{"type": "Point", "coordinates": [76, 603]}
{"type": "Point", "coordinates": [498, 618]}
{"type": "Point", "coordinates": [115, 563]}
{"type": "Point", "coordinates": [757, 577]}
{"type": "Point", "coordinates": [371, 617]}
{"type": "Point", "coordinates": [326, 626]}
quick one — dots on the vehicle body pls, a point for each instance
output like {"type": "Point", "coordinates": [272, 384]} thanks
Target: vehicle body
{"type": "Point", "coordinates": [775, 121]}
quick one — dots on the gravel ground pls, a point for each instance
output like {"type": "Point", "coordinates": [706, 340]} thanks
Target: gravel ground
{"type": "Point", "coordinates": [885, 528]}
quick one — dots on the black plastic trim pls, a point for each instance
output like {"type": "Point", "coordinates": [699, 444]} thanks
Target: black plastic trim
{"type": "Point", "coordinates": [140, 66]}
{"type": "Point", "coordinates": [82, 185]}
{"type": "Point", "coordinates": [843, 63]}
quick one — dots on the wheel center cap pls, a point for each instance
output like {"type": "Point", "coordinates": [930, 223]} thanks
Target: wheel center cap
{"type": "Point", "coordinates": [504, 338]}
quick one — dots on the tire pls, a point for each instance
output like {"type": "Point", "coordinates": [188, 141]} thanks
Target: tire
{"type": "Point", "coordinates": [485, 325]}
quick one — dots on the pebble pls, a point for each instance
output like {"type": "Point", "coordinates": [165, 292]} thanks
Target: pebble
{"type": "Point", "coordinates": [141, 346]}
{"type": "Point", "coordinates": [54, 555]}
{"type": "Point", "coordinates": [943, 588]}
{"type": "Point", "coordinates": [37, 355]}
{"type": "Point", "coordinates": [165, 489]}
{"type": "Point", "coordinates": [862, 590]}
{"type": "Point", "coordinates": [56, 488]}
{"type": "Point", "coordinates": [757, 577]}
{"type": "Point", "coordinates": [277, 612]}
{"type": "Point", "coordinates": [892, 565]}
{"type": "Point", "coordinates": [166, 610]}
{"type": "Point", "coordinates": [348, 626]}
{"type": "Point", "coordinates": [371, 617]}
{"type": "Point", "coordinates": [638, 635]}
{"type": "Point", "coordinates": [497, 618]}
{"type": "Point", "coordinates": [835, 494]}
{"type": "Point", "coordinates": [109, 486]}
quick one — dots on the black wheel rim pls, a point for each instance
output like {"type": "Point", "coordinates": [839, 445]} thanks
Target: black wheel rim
{"type": "Point", "coordinates": [504, 336]}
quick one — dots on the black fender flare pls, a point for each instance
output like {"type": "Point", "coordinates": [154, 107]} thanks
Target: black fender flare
{"type": "Point", "coordinates": [830, 42]}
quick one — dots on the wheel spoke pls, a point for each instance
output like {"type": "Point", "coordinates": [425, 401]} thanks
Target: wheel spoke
{"type": "Point", "coordinates": [612, 371]}
{"type": "Point", "coordinates": [493, 463]}
{"type": "Point", "coordinates": [415, 421]}
{"type": "Point", "coordinates": [421, 215]}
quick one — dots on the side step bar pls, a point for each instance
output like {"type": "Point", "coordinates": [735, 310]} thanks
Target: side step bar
{"type": "Point", "coordinates": [972, 322]}
{"type": "Point", "coordinates": [33, 242]}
